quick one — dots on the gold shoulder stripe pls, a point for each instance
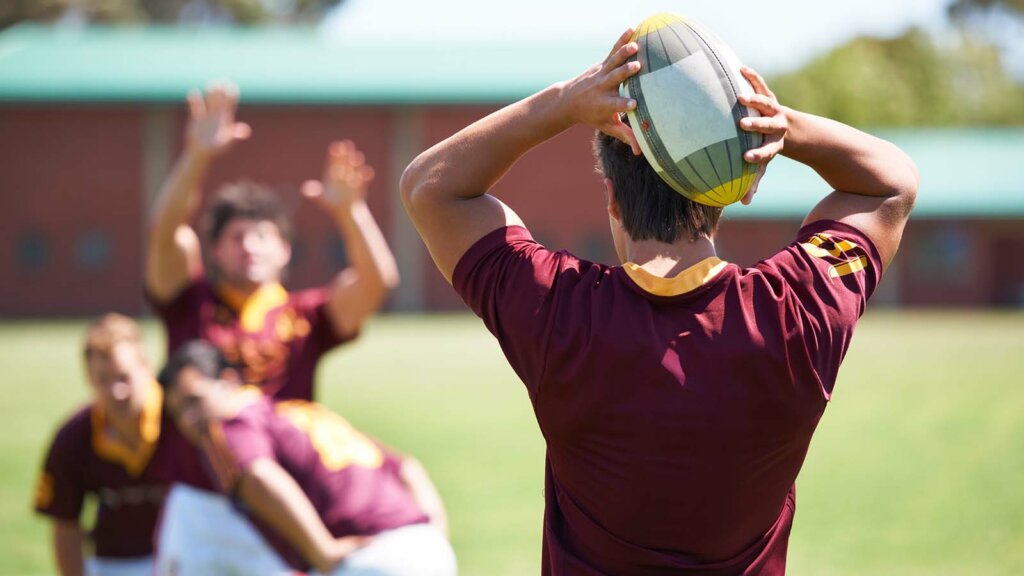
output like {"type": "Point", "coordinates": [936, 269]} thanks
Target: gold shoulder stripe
{"type": "Point", "coordinates": [848, 267]}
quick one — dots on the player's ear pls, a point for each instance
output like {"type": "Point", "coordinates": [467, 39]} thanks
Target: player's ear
{"type": "Point", "coordinates": [609, 196]}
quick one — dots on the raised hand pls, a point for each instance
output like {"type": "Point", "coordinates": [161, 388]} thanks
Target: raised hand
{"type": "Point", "coordinates": [212, 129]}
{"type": "Point", "coordinates": [772, 123]}
{"type": "Point", "coordinates": [345, 180]}
{"type": "Point", "coordinates": [593, 98]}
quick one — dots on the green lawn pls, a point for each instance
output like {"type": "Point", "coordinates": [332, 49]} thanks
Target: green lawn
{"type": "Point", "coordinates": [918, 468]}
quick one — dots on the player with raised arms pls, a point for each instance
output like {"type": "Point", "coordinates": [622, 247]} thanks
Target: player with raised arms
{"type": "Point", "coordinates": [274, 337]}
{"type": "Point", "coordinates": [677, 393]}
{"type": "Point", "coordinates": [323, 494]}
{"type": "Point", "coordinates": [105, 450]}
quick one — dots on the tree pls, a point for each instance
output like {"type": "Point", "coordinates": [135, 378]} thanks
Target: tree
{"type": "Point", "coordinates": [965, 8]}
{"type": "Point", "coordinates": [908, 80]}
{"type": "Point", "coordinates": [165, 11]}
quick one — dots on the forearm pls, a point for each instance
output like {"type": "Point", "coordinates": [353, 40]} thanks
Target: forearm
{"type": "Point", "coordinates": [849, 160]}
{"type": "Point", "coordinates": [67, 548]}
{"type": "Point", "coordinates": [469, 163]}
{"type": "Point", "coordinates": [179, 195]}
{"type": "Point", "coordinates": [367, 250]}
{"type": "Point", "coordinates": [274, 498]}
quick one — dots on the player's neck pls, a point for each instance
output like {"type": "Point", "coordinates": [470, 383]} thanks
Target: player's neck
{"type": "Point", "coordinates": [124, 427]}
{"type": "Point", "coordinates": [668, 260]}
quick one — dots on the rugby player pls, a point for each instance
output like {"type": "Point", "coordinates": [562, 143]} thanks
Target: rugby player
{"type": "Point", "coordinates": [105, 450]}
{"type": "Point", "coordinates": [323, 494]}
{"type": "Point", "coordinates": [239, 304]}
{"type": "Point", "coordinates": [275, 337]}
{"type": "Point", "coordinates": [677, 393]}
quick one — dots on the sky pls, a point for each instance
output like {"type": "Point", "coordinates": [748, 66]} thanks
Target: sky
{"type": "Point", "coordinates": [773, 37]}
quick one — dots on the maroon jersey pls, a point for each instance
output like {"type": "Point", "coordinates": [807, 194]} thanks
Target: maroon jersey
{"type": "Point", "coordinates": [275, 337]}
{"type": "Point", "coordinates": [82, 460]}
{"type": "Point", "coordinates": [352, 482]}
{"type": "Point", "coordinates": [677, 412]}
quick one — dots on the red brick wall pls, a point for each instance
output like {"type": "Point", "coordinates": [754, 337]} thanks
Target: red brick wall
{"type": "Point", "coordinates": [69, 210]}
{"type": "Point", "coordinates": [72, 188]}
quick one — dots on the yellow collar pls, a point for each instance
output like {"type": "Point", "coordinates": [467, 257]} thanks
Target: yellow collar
{"type": "Point", "coordinates": [252, 309]}
{"type": "Point", "coordinates": [693, 277]}
{"type": "Point", "coordinates": [134, 461]}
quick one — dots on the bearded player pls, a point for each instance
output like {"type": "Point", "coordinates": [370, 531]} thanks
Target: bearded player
{"type": "Point", "coordinates": [677, 393]}
{"type": "Point", "coordinates": [273, 336]}
{"type": "Point", "coordinates": [105, 450]}
{"type": "Point", "coordinates": [324, 495]}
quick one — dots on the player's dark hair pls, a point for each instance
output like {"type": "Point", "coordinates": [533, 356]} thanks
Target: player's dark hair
{"type": "Point", "coordinates": [248, 200]}
{"type": "Point", "coordinates": [199, 355]}
{"type": "Point", "coordinates": [650, 209]}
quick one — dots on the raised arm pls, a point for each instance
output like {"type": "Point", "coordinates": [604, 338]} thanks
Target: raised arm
{"type": "Point", "coordinates": [174, 256]}
{"type": "Point", "coordinates": [67, 547]}
{"type": "Point", "coordinates": [445, 188]}
{"type": "Point", "coordinates": [360, 289]}
{"type": "Point", "coordinates": [276, 499]}
{"type": "Point", "coordinates": [875, 183]}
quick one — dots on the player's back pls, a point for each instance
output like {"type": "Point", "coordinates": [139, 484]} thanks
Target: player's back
{"type": "Point", "coordinates": [680, 421]}
{"type": "Point", "coordinates": [677, 412]}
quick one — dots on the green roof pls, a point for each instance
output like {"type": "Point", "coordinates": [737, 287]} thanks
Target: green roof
{"type": "Point", "coordinates": [965, 173]}
{"type": "Point", "coordinates": [279, 65]}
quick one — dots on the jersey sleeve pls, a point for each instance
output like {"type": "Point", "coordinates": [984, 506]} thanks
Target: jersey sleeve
{"type": "Point", "coordinates": [233, 445]}
{"type": "Point", "coordinates": [60, 489]}
{"type": "Point", "coordinates": [180, 306]}
{"type": "Point", "coordinates": [311, 307]}
{"type": "Point", "coordinates": [827, 275]}
{"type": "Point", "coordinates": [508, 280]}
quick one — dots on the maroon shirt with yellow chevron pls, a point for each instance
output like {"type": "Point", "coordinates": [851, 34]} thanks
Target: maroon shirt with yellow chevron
{"type": "Point", "coordinates": [677, 411]}
{"type": "Point", "coordinates": [83, 461]}
{"type": "Point", "coordinates": [274, 337]}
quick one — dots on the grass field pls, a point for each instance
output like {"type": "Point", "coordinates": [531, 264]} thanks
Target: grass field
{"type": "Point", "coordinates": [917, 468]}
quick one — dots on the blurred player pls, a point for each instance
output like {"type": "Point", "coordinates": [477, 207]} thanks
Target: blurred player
{"type": "Point", "coordinates": [677, 393]}
{"type": "Point", "coordinates": [238, 303]}
{"type": "Point", "coordinates": [105, 450]}
{"type": "Point", "coordinates": [275, 337]}
{"type": "Point", "coordinates": [323, 495]}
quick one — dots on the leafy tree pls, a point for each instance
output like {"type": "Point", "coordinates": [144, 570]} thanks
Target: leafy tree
{"type": "Point", "coordinates": [907, 81]}
{"type": "Point", "coordinates": [965, 8]}
{"type": "Point", "coordinates": [165, 11]}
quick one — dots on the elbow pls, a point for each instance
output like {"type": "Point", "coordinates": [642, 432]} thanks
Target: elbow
{"type": "Point", "coordinates": [409, 183]}
{"type": "Point", "coordinates": [908, 184]}
{"type": "Point", "coordinates": [413, 184]}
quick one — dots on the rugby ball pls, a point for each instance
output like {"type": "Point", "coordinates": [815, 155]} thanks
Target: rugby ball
{"type": "Point", "coordinates": [687, 115]}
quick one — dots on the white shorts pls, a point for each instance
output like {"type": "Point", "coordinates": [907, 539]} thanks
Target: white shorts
{"type": "Point", "coordinates": [202, 534]}
{"type": "Point", "coordinates": [119, 566]}
{"type": "Point", "coordinates": [418, 550]}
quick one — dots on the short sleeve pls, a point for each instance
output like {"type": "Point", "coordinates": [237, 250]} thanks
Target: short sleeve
{"type": "Point", "coordinates": [508, 280]}
{"type": "Point", "coordinates": [60, 490]}
{"type": "Point", "coordinates": [183, 305]}
{"type": "Point", "coordinates": [311, 306]}
{"type": "Point", "coordinates": [232, 447]}
{"type": "Point", "coordinates": [829, 273]}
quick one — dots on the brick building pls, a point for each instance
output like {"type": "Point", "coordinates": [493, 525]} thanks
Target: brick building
{"type": "Point", "coordinates": [91, 120]}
